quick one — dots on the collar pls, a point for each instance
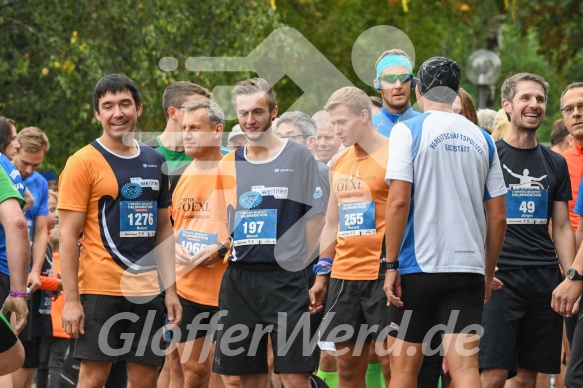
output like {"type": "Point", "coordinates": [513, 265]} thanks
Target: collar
{"type": "Point", "coordinates": [395, 117]}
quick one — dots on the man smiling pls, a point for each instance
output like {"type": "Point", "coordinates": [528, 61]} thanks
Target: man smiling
{"type": "Point", "coordinates": [520, 328]}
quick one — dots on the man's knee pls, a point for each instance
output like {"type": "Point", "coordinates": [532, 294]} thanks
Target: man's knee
{"type": "Point", "coordinates": [195, 373]}
{"type": "Point", "coordinates": [293, 380]}
{"type": "Point", "coordinates": [93, 373]}
{"type": "Point", "coordinates": [493, 378]}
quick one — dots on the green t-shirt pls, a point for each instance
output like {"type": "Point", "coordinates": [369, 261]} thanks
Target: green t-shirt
{"type": "Point", "coordinates": [174, 159]}
{"type": "Point", "coordinates": [7, 189]}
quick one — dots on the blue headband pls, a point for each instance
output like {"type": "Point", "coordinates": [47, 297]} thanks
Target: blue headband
{"type": "Point", "coordinates": [394, 60]}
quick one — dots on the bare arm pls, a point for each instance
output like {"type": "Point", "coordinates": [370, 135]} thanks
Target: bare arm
{"type": "Point", "coordinates": [28, 199]}
{"type": "Point", "coordinates": [398, 205]}
{"type": "Point", "coordinates": [565, 296]}
{"type": "Point", "coordinates": [563, 236]}
{"type": "Point", "coordinates": [18, 253]}
{"type": "Point", "coordinates": [70, 225]}
{"type": "Point", "coordinates": [165, 253]}
{"type": "Point", "coordinates": [495, 233]}
{"type": "Point", "coordinates": [328, 242]}
{"type": "Point", "coordinates": [39, 249]}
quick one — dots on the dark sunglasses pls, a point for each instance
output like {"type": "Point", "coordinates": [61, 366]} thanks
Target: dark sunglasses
{"type": "Point", "coordinates": [393, 78]}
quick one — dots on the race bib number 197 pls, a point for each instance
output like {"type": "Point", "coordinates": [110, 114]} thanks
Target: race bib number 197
{"type": "Point", "coordinates": [254, 227]}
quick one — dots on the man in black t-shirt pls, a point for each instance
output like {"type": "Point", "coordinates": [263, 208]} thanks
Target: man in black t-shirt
{"type": "Point", "coordinates": [522, 334]}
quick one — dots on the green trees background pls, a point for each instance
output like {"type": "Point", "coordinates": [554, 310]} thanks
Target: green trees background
{"type": "Point", "coordinates": [52, 52]}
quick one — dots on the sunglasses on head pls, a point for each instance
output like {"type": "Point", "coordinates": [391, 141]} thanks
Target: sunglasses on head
{"type": "Point", "coordinates": [393, 78]}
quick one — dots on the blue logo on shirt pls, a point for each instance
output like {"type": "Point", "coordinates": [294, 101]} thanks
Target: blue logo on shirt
{"type": "Point", "coordinates": [250, 199]}
{"type": "Point", "coordinates": [318, 193]}
{"type": "Point", "coordinates": [131, 191]}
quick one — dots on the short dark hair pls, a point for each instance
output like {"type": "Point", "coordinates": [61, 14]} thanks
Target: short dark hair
{"type": "Point", "coordinates": [114, 83]}
{"type": "Point", "coordinates": [508, 90]}
{"type": "Point", "coordinates": [6, 125]}
{"type": "Point", "coordinates": [178, 92]}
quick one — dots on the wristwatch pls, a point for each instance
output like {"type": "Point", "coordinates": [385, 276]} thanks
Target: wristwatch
{"type": "Point", "coordinates": [18, 294]}
{"type": "Point", "coordinates": [222, 250]}
{"type": "Point", "coordinates": [391, 265]}
{"type": "Point", "coordinates": [572, 274]}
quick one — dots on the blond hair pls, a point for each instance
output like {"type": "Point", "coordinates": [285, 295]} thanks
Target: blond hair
{"type": "Point", "coordinates": [33, 139]}
{"type": "Point", "coordinates": [353, 98]}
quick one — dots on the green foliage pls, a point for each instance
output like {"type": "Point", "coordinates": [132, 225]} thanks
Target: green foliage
{"type": "Point", "coordinates": [55, 51]}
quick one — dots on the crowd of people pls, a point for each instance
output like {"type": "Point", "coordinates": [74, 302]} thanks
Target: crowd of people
{"type": "Point", "coordinates": [372, 244]}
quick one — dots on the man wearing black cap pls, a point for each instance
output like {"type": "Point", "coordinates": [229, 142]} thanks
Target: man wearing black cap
{"type": "Point", "coordinates": [444, 172]}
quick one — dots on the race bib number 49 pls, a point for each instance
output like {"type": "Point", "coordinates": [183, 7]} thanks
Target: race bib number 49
{"type": "Point", "coordinates": [137, 218]}
{"type": "Point", "coordinates": [254, 227]}
{"type": "Point", "coordinates": [527, 205]}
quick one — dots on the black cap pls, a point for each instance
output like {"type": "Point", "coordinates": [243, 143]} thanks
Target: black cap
{"type": "Point", "coordinates": [439, 79]}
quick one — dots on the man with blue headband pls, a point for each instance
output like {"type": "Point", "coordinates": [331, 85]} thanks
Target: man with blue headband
{"type": "Point", "coordinates": [394, 82]}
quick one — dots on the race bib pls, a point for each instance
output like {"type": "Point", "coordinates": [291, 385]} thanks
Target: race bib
{"type": "Point", "coordinates": [195, 241]}
{"type": "Point", "coordinates": [527, 205]}
{"type": "Point", "coordinates": [357, 219]}
{"type": "Point", "coordinates": [138, 218]}
{"type": "Point", "coordinates": [254, 227]}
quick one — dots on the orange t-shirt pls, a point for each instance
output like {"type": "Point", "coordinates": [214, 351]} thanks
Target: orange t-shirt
{"type": "Point", "coordinates": [358, 183]}
{"type": "Point", "coordinates": [191, 210]}
{"type": "Point", "coordinates": [122, 198]}
{"type": "Point", "coordinates": [57, 305]}
{"type": "Point", "coordinates": [574, 157]}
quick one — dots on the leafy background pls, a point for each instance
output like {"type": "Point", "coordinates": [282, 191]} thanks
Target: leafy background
{"type": "Point", "coordinates": [54, 51]}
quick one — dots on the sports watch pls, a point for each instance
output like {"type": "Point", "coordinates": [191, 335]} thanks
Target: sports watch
{"type": "Point", "coordinates": [391, 265]}
{"type": "Point", "coordinates": [222, 250]}
{"type": "Point", "coordinates": [572, 274]}
{"type": "Point", "coordinates": [18, 294]}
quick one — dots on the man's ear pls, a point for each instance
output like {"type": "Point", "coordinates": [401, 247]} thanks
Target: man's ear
{"type": "Point", "coordinates": [311, 143]}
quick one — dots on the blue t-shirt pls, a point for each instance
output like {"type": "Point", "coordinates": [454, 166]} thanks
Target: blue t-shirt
{"type": "Point", "coordinates": [39, 188]}
{"type": "Point", "coordinates": [14, 175]}
{"type": "Point", "coordinates": [578, 209]}
{"type": "Point", "coordinates": [384, 121]}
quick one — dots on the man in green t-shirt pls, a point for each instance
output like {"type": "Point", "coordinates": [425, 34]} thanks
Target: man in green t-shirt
{"type": "Point", "coordinates": [176, 96]}
{"type": "Point", "coordinates": [13, 289]}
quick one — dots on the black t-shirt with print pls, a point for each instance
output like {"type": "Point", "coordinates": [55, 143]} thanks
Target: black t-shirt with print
{"type": "Point", "coordinates": [535, 178]}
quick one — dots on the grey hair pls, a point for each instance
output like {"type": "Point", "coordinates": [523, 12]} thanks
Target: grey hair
{"type": "Point", "coordinates": [302, 121]}
{"type": "Point", "coordinates": [213, 111]}
{"type": "Point", "coordinates": [486, 119]}
{"type": "Point", "coordinates": [571, 86]}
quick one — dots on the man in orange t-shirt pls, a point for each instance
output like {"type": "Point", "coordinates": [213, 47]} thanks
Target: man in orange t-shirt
{"type": "Point", "coordinates": [353, 239]}
{"type": "Point", "coordinates": [573, 117]}
{"type": "Point", "coordinates": [192, 187]}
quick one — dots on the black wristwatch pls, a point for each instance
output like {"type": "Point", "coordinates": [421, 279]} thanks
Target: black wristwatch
{"type": "Point", "coordinates": [391, 265]}
{"type": "Point", "coordinates": [572, 274]}
{"type": "Point", "coordinates": [222, 250]}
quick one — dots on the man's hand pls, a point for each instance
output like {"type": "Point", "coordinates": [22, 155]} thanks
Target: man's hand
{"type": "Point", "coordinates": [33, 280]}
{"type": "Point", "coordinates": [317, 295]}
{"type": "Point", "coordinates": [19, 307]}
{"type": "Point", "coordinates": [565, 297]}
{"type": "Point", "coordinates": [206, 256]}
{"type": "Point", "coordinates": [182, 255]}
{"type": "Point", "coordinates": [174, 310]}
{"type": "Point", "coordinates": [73, 319]}
{"type": "Point", "coordinates": [392, 287]}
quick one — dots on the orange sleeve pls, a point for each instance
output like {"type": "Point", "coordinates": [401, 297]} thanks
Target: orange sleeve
{"type": "Point", "coordinates": [48, 283]}
{"type": "Point", "coordinates": [74, 184]}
